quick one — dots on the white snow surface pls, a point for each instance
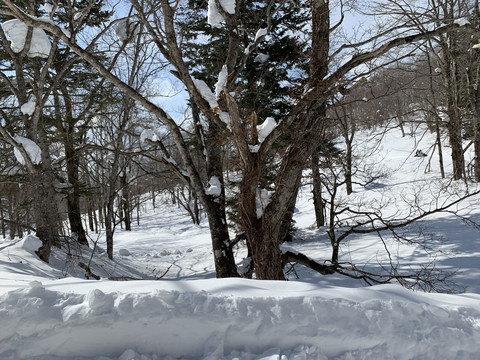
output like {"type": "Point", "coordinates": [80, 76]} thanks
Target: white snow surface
{"type": "Point", "coordinates": [462, 22]}
{"type": "Point", "coordinates": [214, 17]}
{"type": "Point", "coordinates": [206, 93]}
{"type": "Point", "coordinates": [260, 33]}
{"type": "Point", "coordinates": [51, 312]}
{"type": "Point", "coordinates": [215, 187]}
{"type": "Point", "coordinates": [263, 198]}
{"type": "Point", "coordinates": [148, 134]}
{"type": "Point", "coordinates": [261, 58]}
{"type": "Point", "coordinates": [266, 128]}
{"type": "Point", "coordinates": [222, 80]}
{"type": "Point", "coordinates": [29, 107]}
{"type": "Point", "coordinates": [32, 149]}
{"type": "Point", "coordinates": [17, 31]}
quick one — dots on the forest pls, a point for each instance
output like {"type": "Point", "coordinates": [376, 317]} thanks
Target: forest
{"type": "Point", "coordinates": [229, 106]}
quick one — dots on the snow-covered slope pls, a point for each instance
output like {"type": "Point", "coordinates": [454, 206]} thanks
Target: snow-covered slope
{"type": "Point", "coordinates": [50, 312]}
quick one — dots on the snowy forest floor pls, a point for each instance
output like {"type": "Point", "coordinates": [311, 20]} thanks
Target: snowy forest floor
{"type": "Point", "coordinates": [50, 312]}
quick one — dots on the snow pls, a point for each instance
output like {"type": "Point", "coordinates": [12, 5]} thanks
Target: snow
{"type": "Point", "coordinates": [29, 107]}
{"type": "Point", "coordinates": [50, 312]}
{"type": "Point", "coordinates": [215, 187]}
{"type": "Point", "coordinates": [462, 22]}
{"type": "Point", "coordinates": [32, 149]}
{"type": "Point", "coordinates": [228, 6]}
{"type": "Point", "coordinates": [206, 93]}
{"type": "Point", "coordinates": [214, 17]}
{"type": "Point", "coordinates": [17, 31]}
{"type": "Point", "coordinates": [266, 128]}
{"type": "Point", "coordinates": [261, 58]}
{"type": "Point", "coordinates": [125, 29]}
{"type": "Point", "coordinates": [260, 34]}
{"type": "Point", "coordinates": [221, 82]}
{"type": "Point", "coordinates": [148, 134]}
{"type": "Point", "coordinates": [263, 198]}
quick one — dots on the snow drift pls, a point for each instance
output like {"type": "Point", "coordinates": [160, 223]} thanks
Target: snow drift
{"type": "Point", "coordinates": [235, 319]}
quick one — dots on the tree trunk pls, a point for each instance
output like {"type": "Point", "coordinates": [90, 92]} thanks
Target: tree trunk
{"type": "Point", "coordinates": [73, 197]}
{"type": "Point", "coordinates": [45, 211]}
{"type": "Point", "coordinates": [318, 202]}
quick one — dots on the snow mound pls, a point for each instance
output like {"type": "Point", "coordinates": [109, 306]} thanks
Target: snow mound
{"type": "Point", "coordinates": [30, 243]}
{"type": "Point", "coordinates": [219, 324]}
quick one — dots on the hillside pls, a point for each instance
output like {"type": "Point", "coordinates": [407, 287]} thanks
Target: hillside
{"type": "Point", "coordinates": [50, 312]}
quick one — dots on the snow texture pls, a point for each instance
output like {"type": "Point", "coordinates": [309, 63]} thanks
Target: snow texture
{"type": "Point", "coordinates": [263, 198]}
{"type": "Point", "coordinates": [17, 31]}
{"type": "Point", "coordinates": [228, 6]}
{"type": "Point", "coordinates": [462, 22]}
{"type": "Point", "coordinates": [260, 34]}
{"type": "Point", "coordinates": [29, 107]}
{"type": "Point", "coordinates": [51, 312]}
{"type": "Point", "coordinates": [206, 93]}
{"type": "Point", "coordinates": [266, 128]}
{"type": "Point", "coordinates": [32, 149]}
{"type": "Point", "coordinates": [215, 187]}
{"type": "Point", "coordinates": [261, 58]}
{"type": "Point", "coordinates": [214, 17]}
{"type": "Point", "coordinates": [125, 30]}
{"type": "Point", "coordinates": [148, 134]}
{"type": "Point", "coordinates": [222, 80]}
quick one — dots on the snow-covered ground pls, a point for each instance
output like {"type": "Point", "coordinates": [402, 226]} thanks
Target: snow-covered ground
{"type": "Point", "coordinates": [50, 312]}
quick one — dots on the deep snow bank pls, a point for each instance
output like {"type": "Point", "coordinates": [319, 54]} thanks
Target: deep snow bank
{"type": "Point", "coordinates": [382, 322]}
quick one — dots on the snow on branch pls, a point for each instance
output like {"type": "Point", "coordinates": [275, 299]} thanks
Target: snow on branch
{"type": "Point", "coordinates": [32, 149]}
{"type": "Point", "coordinates": [17, 30]}
{"type": "Point", "coordinates": [215, 187]}
{"type": "Point", "coordinates": [29, 107]}
{"type": "Point", "coordinates": [214, 16]}
{"type": "Point", "coordinates": [222, 80]}
{"type": "Point", "coordinates": [266, 128]}
{"type": "Point", "coordinates": [206, 93]}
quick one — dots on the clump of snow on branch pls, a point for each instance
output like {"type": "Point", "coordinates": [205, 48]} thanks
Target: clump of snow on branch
{"type": "Point", "coordinates": [222, 80]}
{"type": "Point", "coordinates": [126, 30]}
{"type": "Point", "coordinates": [260, 33]}
{"type": "Point", "coordinates": [29, 107]}
{"type": "Point", "coordinates": [462, 22]}
{"type": "Point", "coordinates": [206, 93]}
{"type": "Point", "coordinates": [261, 58]}
{"type": "Point", "coordinates": [33, 150]}
{"type": "Point", "coordinates": [266, 128]}
{"type": "Point", "coordinates": [17, 31]}
{"type": "Point", "coordinates": [215, 187]}
{"type": "Point", "coordinates": [263, 198]}
{"type": "Point", "coordinates": [148, 134]}
{"type": "Point", "coordinates": [214, 17]}
{"type": "Point", "coordinates": [228, 6]}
